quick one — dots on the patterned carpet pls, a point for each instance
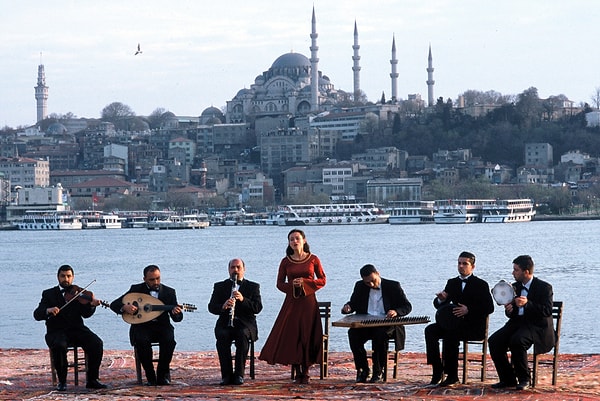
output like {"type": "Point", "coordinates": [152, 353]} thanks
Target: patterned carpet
{"type": "Point", "coordinates": [25, 375]}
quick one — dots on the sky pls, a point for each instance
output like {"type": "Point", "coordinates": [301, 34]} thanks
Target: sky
{"type": "Point", "coordinates": [197, 54]}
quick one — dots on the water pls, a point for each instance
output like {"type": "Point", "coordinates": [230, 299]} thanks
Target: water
{"type": "Point", "coordinates": [421, 257]}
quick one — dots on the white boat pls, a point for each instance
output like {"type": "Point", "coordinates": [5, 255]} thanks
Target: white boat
{"type": "Point", "coordinates": [93, 219]}
{"type": "Point", "coordinates": [459, 211]}
{"type": "Point", "coordinates": [168, 221]}
{"type": "Point", "coordinates": [331, 214]}
{"type": "Point", "coordinates": [508, 211]}
{"type": "Point", "coordinates": [411, 212]}
{"type": "Point", "coordinates": [134, 218]}
{"type": "Point", "coordinates": [50, 220]}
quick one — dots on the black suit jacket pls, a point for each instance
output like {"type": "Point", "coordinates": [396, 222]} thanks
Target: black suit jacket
{"type": "Point", "coordinates": [70, 317]}
{"type": "Point", "coordinates": [537, 314]}
{"type": "Point", "coordinates": [478, 299]}
{"type": "Point", "coordinates": [393, 298]}
{"type": "Point", "coordinates": [245, 311]}
{"type": "Point", "coordinates": [166, 294]}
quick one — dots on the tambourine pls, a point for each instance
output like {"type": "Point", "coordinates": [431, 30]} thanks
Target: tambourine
{"type": "Point", "coordinates": [445, 317]}
{"type": "Point", "coordinates": [503, 293]}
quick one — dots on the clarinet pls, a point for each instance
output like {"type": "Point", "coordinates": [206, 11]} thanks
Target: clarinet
{"type": "Point", "coordinates": [234, 288]}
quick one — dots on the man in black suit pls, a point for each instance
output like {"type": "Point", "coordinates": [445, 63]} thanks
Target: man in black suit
{"type": "Point", "coordinates": [530, 322]}
{"type": "Point", "coordinates": [237, 301]}
{"type": "Point", "coordinates": [462, 309]}
{"type": "Point", "coordinates": [377, 296]}
{"type": "Point", "coordinates": [65, 326]}
{"type": "Point", "coordinates": [158, 330]}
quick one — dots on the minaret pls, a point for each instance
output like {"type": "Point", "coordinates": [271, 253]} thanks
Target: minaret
{"type": "Point", "coordinates": [41, 93]}
{"type": "Point", "coordinates": [394, 74]}
{"type": "Point", "coordinates": [314, 65]}
{"type": "Point", "coordinates": [356, 66]}
{"type": "Point", "coordinates": [430, 80]}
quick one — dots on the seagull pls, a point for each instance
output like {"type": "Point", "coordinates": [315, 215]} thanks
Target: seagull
{"type": "Point", "coordinates": [139, 51]}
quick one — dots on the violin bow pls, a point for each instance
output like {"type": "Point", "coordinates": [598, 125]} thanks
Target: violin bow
{"type": "Point", "coordinates": [78, 294]}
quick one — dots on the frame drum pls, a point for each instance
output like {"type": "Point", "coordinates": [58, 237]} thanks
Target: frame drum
{"type": "Point", "coordinates": [503, 293]}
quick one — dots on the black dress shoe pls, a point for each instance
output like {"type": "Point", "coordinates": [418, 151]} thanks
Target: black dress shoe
{"type": "Point", "coordinates": [62, 386]}
{"type": "Point", "coordinates": [450, 381]}
{"type": "Point", "coordinates": [164, 382]}
{"type": "Point", "coordinates": [150, 383]}
{"type": "Point", "coordinates": [95, 384]}
{"type": "Point", "coordinates": [523, 384]}
{"type": "Point", "coordinates": [436, 378]}
{"type": "Point", "coordinates": [238, 380]}
{"type": "Point", "coordinates": [226, 381]}
{"type": "Point", "coordinates": [362, 375]}
{"type": "Point", "coordinates": [376, 378]}
{"type": "Point", "coordinates": [500, 385]}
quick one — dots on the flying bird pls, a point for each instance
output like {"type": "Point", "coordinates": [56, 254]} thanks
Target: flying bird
{"type": "Point", "coordinates": [139, 50]}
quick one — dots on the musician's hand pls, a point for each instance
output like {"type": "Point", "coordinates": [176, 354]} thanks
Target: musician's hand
{"type": "Point", "coordinates": [297, 282]}
{"type": "Point", "coordinates": [176, 310]}
{"type": "Point", "coordinates": [520, 301]}
{"type": "Point", "coordinates": [238, 296]}
{"type": "Point", "coordinates": [229, 303]}
{"type": "Point", "coordinates": [346, 309]}
{"type": "Point", "coordinates": [442, 296]}
{"type": "Point", "coordinates": [53, 311]}
{"type": "Point", "coordinates": [95, 302]}
{"type": "Point", "coordinates": [508, 308]}
{"type": "Point", "coordinates": [460, 310]}
{"type": "Point", "coordinates": [130, 309]}
{"type": "Point", "coordinates": [391, 313]}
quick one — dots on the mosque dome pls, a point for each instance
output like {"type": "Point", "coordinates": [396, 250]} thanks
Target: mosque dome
{"type": "Point", "coordinates": [56, 129]}
{"type": "Point", "coordinates": [291, 60]}
{"type": "Point", "coordinates": [211, 112]}
{"type": "Point", "coordinates": [243, 92]}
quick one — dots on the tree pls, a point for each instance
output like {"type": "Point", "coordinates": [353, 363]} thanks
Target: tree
{"type": "Point", "coordinates": [596, 97]}
{"type": "Point", "coordinates": [157, 117]}
{"type": "Point", "coordinates": [115, 112]}
{"type": "Point", "coordinates": [529, 107]}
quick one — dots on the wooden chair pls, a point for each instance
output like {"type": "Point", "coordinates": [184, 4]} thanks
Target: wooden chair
{"type": "Point", "coordinates": [138, 364]}
{"type": "Point", "coordinates": [325, 313]}
{"type": "Point", "coordinates": [479, 357]}
{"type": "Point", "coordinates": [557, 311]}
{"type": "Point", "coordinates": [250, 357]}
{"type": "Point", "coordinates": [79, 363]}
{"type": "Point", "coordinates": [393, 355]}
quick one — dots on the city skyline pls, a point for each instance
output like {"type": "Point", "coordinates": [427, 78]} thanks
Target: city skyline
{"type": "Point", "coordinates": [197, 55]}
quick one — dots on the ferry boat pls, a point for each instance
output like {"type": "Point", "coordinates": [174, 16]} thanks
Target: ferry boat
{"type": "Point", "coordinates": [331, 214]}
{"type": "Point", "coordinates": [411, 212]}
{"type": "Point", "coordinates": [169, 221]}
{"type": "Point", "coordinates": [134, 218]}
{"type": "Point", "coordinates": [92, 219]}
{"type": "Point", "coordinates": [508, 211]}
{"type": "Point", "coordinates": [459, 211]}
{"type": "Point", "coordinates": [50, 220]}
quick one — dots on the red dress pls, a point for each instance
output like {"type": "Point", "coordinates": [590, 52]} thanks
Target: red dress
{"type": "Point", "coordinates": [297, 334]}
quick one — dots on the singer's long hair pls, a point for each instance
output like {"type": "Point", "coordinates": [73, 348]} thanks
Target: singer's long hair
{"type": "Point", "coordinates": [289, 251]}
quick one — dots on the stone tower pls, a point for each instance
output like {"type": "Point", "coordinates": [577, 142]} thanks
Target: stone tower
{"type": "Point", "coordinates": [356, 66]}
{"type": "Point", "coordinates": [41, 94]}
{"type": "Point", "coordinates": [394, 73]}
{"type": "Point", "coordinates": [314, 65]}
{"type": "Point", "coordinates": [430, 80]}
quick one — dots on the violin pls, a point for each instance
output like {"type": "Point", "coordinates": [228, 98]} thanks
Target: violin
{"type": "Point", "coordinates": [81, 295]}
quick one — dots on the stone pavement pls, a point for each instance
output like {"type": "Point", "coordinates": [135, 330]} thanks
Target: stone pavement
{"type": "Point", "coordinates": [25, 375]}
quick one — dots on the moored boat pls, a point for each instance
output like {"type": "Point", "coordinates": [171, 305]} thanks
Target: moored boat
{"type": "Point", "coordinates": [93, 219]}
{"type": "Point", "coordinates": [49, 220]}
{"type": "Point", "coordinates": [508, 211]}
{"type": "Point", "coordinates": [331, 214]}
{"type": "Point", "coordinates": [411, 212]}
{"type": "Point", "coordinates": [459, 211]}
{"type": "Point", "coordinates": [168, 221]}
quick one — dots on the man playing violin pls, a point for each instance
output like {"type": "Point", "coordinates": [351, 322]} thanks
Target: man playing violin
{"type": "Point", "coordinates": [158, 330]}
{"type": "Point", "coordinates": [64, 326]}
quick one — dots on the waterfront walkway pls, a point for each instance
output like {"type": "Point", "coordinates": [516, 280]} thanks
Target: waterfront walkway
{"type": "Point", "coordinates": [25, 375]}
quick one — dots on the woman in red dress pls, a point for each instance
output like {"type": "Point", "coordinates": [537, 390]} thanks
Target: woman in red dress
{"type": "Point", "coordinates": [297, 335]}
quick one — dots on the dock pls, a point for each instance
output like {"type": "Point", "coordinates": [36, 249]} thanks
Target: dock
{"type": "Point", "coordinates": [25, 375]}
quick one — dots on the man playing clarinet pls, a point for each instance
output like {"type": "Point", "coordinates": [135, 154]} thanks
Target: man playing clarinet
{"type": "Point", "coordinates": [236, 301]}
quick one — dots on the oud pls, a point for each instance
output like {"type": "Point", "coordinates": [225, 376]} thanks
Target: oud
{"type": "Point", "coordinates": [149, 308]}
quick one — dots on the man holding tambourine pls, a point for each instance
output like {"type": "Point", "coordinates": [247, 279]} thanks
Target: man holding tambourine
{"type": "Point", "coordinates": [462, 310]}
{"type": "Point", "coordinates": [529, 309]}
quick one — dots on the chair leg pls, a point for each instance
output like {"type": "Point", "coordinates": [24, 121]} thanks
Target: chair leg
{"type": "Point", "coordinates": [396, 360]}
{"type": "Point", "coordinates": [53, 370]}
{"type": "Point", "coordinates": [138, 366]}
{"type": "Point", "coordinates": [534, 374]}
{"type": "Point", "coordinates": [465, 360]}
{"type": "Point", "coordinates": [252, 359]}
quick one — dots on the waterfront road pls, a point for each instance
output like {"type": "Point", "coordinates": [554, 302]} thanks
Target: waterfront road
{"type": "Point", "coordinates": [25, 375]}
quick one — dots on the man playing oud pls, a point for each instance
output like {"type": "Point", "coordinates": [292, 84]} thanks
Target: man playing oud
{"type": "Point", "coordinates": [158, 330]}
